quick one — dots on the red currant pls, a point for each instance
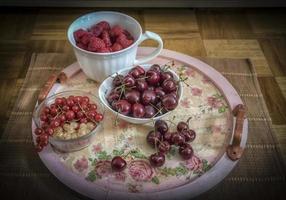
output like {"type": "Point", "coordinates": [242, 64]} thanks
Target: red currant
{"type": "Point", "coordinates": [98, 117]}
{"type": "Point", "coordinates": [70, 115]}
{"type": "Point", "coordinates": [39, 131]}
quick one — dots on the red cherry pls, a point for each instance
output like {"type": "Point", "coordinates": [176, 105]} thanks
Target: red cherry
{"type": "Point", "coordinates": [164, 147]}
{"type": "Point", "coordinates": [156, 68]}
{"type": "Point", "coordinates": [161, 126]}
{"type": "Point", "coordinates": [159, 92]}
{"type": "Point", "coordinates": [186, 152]}
{"type": "Point", "coordinates": [153, 138]}
{"type": "Point", "coordinates": [44, 118]}
{"type": "Point", "coordinates": [168, 137]}
{"type": "Point", "coordinates": [129, 80]}
{"type": "Point", "coordinates": [46, 110]}
{"type": "Point", "coordinates": [141, 85]}
{"type": "Point", "coordinates": [39, 148]}
{"type": "Point", "coordinates": [70, 115]}
{"type": "Point", "coordinates": [157, 159]}
{"type": "Point", "coordinates": [50, 131]}
{"type": "Point", "coordinates": [132, 96]}
{"type": "Point", "coordinates": [85, 99]}
{"type": "Point", "coordinates": [123, 107]}
{"type": "Point", "coordinates": [166, 75]}
{"type": "Point", "coordinates": [169, 85]}
{"type": "Point", "coordinates": [153, 77]}
{"type": "Point", "coordinates": [92, 106]}
{"type": "Point", "coordinates": [118, 80]}
{"type": "Point", "coordinates": [59, 101]}
{"type": "Point", "coordinates": [138, 110]}
{"type": "Point", "coordinates": [118, 164]}
{"type": "Point", "coordinates": [70, 103]}
{"type": "Point", "coordinates": [98, 117]}
{"type": "Point", "coordinates": [39, 131]}
{"type": "Point", "coordinates": [169, 102]}
{"type": "Point", "coordinates": [149, 111]}
{"type": "Point", "coordinates": [149, 97]}
{"type": "Point", "coordinates": [75, 108]}
{"type": "Point", "coordinates": [56, 123]}
{"type": "Point", "coordinates": [178, 139]}
{"type": "Point", "coordinates": [189, 135]}
{"type": "Point", "coordinates": [134, 72]}
{"type": "Point", "coordinates": [182, 126]}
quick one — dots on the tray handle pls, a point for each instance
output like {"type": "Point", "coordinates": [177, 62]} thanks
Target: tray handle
{"type": "Point", "coordinates": [234, 151]}
{"type": "Point", "coordinates": [61, 78]}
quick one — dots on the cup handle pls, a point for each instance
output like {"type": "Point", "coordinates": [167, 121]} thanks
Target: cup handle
{"type": "Point", "coordinates": [153, 36]}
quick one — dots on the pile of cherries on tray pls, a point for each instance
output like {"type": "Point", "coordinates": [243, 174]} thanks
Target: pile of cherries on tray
{"type": "Point", "coordinates": [78, 109]}
{"type": "Point", "coordinates": [161, 139]}
{"type": "Point", "coordinates": [144, 94]}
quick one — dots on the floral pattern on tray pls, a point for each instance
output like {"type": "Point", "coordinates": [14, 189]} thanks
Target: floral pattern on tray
{"type": "Point", "coordinates": [209, 116]}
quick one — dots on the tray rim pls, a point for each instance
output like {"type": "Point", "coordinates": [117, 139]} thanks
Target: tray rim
{"type": "Point", "coordinates": [223, 165]}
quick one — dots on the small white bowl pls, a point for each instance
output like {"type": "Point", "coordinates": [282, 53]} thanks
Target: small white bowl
{"type": "Point", "coordinates": [106, 87]}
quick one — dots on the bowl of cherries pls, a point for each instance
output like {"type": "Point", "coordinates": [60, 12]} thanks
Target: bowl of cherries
{"type": "Point", "coordinates": [67, 120]}
{"type": "Point", "coordinates": [141, 94]}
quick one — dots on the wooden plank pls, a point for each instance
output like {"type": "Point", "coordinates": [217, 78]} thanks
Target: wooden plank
{"type": "Point", "coordinates": [239, 49]}
{"type": "Point", "coordinates": [274, 99]}
{"type": "Point", "coordinates": [275, 51]}
{"type": "Point", "coordinates": [280, 131]}
{"type": "Point", "coordinates": [282, 84]}
{"type": "Point", "coordinates": [224, 24]}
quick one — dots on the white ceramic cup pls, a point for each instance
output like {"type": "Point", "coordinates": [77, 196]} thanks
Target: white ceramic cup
{"type": "Point", "coordinates": [98, 66]}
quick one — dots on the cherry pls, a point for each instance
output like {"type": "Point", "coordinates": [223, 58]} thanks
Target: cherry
{"type": "Point", "coordinates": [39, 131]}
{"type": "Point", "coordinates": [169, 102]}
{"type": "Point", "coordinates": [137, 72]}
{"type": "Point", "coordinates": [118, 80]}
{"type": "Point", "coordinates": [149, 111]}
{"type": "Point", "coordinates": [141, 85]}
{"type": "Point", "coordinates": [150, 87]}
{"type": "Point", "coordinates": [178, 139]}
{"type": "Point", "coordinates": [113, 96]}
{"type": "Point", "coordinates": [75, 108]}
{"type": "Point", "coordinates": [70, 102]}
{"type": "Point", "coordinates": [168, 137]}
{"type": "Point", "coordinates": [161, 126]}
{"type": "Point", "coordinates": [85, 99]}
{"type": "Point", "coordinates": [185, 145]}
{"type": "Point", "coordinates": [118, 164]}
{"type": "Point", "coordinates": [159, 92]}
{"type": "Point", "coordinates": [169, 85]}
{"type": "Point", "coordinates": [46, 110]}
{"type": "Point", "coordinates": [123, 107]}
{"type": "Point", "coordinates": [59, 101]}
{"type": "Point", "coordinates": [39, 148]}
{"type": "Point", "coordinates": [174, 94]}
{"type": "Point", "coordinates": [132, 96]}
{"type": "Point", "coordinates": [149, 97]}
{"type": "Point", "coordinates": [157, 159]}
{"type": "Point", "coordinates": [138, 110]}
{"type": "Point", "coordinates": [153, 77]}
{"type": "Point", "coordinates": [164, 147]}
{"type": "Point", "coordinates": [186, 152]}
{"type": "Point", "coordinates": [153, 137]}
{"type": "Point", "coordinates": [70, 115]}
{"type": "Point", "coordinates": [182, 126]}
{"type": "Point", "coordinates": [189, 135]}
{"type": "Point", "coordinates": [156, 68]}
{"type": "Point", "coordinates": [55, 123]}
{"type": "Point", "coordinates": [166, 75]}
{"type": "Point", "coordinates": [50, 131]}
{"type": "Point", "coordinates": [129, 80]}
{"type": "Point", "coordinates": [98, 117]}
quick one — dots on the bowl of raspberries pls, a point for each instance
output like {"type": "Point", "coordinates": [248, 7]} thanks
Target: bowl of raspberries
{"type": "Point", "coordinates": [141, 94]}
{"type": "Point", "coordinates": [105, 42]}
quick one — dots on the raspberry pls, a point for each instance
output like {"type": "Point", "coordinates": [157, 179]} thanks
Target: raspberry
{"type": "Point", "coordinates": [104, 24]}
{"type": "Point", "coordinates": [82, 46]}
{"type": "Point", "coordinates": [106, 38]}
{"type": "Point", "coordinates": [104, 50]}
{"type": "Point", "coordinates": [116, 47]}
{"type": "Point", "coordinates": [122, 39]}
{"type": "Point", "coordinates": [85, 38]}
{"type": "Point", "coordinates": [96, 30]}
{"type": "Point", "coordinates": [128, 35]}
{"type": "Point", "coordinates": [95, 44]}
{"type": "Point", "coordinates": [116, 31]}
{"type": "Point", "coordinates": [79, 34]}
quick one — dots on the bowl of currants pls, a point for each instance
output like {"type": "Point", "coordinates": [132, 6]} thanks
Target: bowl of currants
{"type": "Point", "coordinates": [67, 120]}
{"type": "Point", "coordinates": [141, 94]}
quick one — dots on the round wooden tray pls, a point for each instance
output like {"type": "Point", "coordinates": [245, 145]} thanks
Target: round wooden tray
{"type": "Point", "coordinates": [221, 129]}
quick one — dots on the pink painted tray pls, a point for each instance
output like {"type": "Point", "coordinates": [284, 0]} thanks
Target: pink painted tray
{"type": "Point", "coordinates": [209, 100]}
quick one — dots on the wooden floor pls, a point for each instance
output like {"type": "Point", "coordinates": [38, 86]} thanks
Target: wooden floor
{"type": "Point", "coordinates": [258, 34]}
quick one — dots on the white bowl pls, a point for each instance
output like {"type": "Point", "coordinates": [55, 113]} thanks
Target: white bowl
{"type": "Point", "coordinates": [98, 66]}
{"type": "Point", "coordinates": [106, 87]}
